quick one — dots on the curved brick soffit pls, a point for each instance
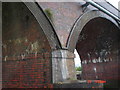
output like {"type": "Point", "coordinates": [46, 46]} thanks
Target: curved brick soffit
{"type": "Point", "coordinates": [45, 24]}
{"type": "Point", "coordinates": [81, 22]}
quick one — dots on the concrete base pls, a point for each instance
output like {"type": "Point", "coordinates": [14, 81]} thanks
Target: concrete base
{"type": "Point", "coordinates": [80, 84]}
{"type": "Point", "coordinates": [63, 66]}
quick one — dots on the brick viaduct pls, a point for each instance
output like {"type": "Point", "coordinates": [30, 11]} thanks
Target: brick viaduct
{"type": "Point", "coordinates": [38, 51]}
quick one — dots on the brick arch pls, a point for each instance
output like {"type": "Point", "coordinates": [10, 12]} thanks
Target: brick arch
{"type": "Point", "coordinates": [28, 39]}
{"type": "Point", "coordinates": [96, 38]}
{"type": "Point", "coordinates": [98, 46]}
{"type": "Point", "coordinates": [45, 24]}
{"type": "Point", "coordinates": [80, 23]}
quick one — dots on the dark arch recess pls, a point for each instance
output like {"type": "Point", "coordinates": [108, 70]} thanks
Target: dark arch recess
{"type": "Point", "coordinates": [99, 48]}
{"type": "Point", "coordinates": [28, 39]}
{"type": "Point", "coordinates": [81, 22]}
{"type": "Point", "coordinates": [96, 38]}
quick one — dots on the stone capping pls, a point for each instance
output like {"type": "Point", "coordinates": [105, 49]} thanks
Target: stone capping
{"type": "Point", "coordinates": [64, 54]}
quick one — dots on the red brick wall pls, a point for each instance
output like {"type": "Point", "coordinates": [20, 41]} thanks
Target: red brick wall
{"type": "Point", "coordinates": [64, 16]}
{"type": "Point", "coordinates": [26, 60]}
{"type": "Point", "coordinates": [32, 72]}
{"type": "Point", "coordinates": [104, 71]}
{"type": "Point", "coordinates": [98, 47]}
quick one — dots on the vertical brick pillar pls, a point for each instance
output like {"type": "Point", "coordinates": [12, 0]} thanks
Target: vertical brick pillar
{"type": "Point", "coordinates": [63, 66]}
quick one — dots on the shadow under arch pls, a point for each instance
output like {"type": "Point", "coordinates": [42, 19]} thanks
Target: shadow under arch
{"type": "Point", "coordinates": [81, 22]}
{"type": "Point", "coordinates": [96, 38]}
{"type": "Point", "coordinates": [28, 39]}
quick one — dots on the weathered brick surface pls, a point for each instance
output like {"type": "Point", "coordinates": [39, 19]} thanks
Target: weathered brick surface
{"type": "Point", "coordinates": [104, 71]}
{"type": "Point", "coordinates": [64, 16]}
{"type": "Point", "coordinates": [26, 51]}
{"type": "Point", "coordinates": [98, 47]}
{"type": "Point", "coordinates": [31, 73]}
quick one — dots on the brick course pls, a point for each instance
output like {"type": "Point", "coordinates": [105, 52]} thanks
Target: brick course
{"type": "Point", "coordinates": [26, 60]}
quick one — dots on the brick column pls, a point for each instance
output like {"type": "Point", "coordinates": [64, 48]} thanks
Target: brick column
{"type": "Point", "coordinates": [63, 66]}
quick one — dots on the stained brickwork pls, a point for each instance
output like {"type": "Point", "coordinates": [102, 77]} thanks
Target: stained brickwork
{"type": "Point", "coordinates": [26, 61]}
{"type": "Point", "coordinates": [100, 71]}
{"type": "Point", "coordinates": [27, 73]}
{"type": "Point", "coordinates": [64, 16]}
{"type": "Point", "coordinates": [99, 50]}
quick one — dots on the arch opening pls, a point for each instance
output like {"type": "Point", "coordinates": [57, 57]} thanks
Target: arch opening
{"type": "Point", "coordinates": [98, 47]}
{"type": "Point", "coordinates": [78, 67]}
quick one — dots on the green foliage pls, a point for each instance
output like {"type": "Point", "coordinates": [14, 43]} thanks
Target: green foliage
{"type": "Point", "coordinates": [78, 68]}
{"type": "Point", "coordinates": [48, 12]}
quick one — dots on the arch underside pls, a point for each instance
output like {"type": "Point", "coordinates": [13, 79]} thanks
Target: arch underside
{"type": "Point", "coordinates": [81, 22]}
{"type": "Point", "coordinates": [98, 47]}
{"type": "Point", "coordinates": [96, 38]}
{"type": "Point", "coordinates": [27, 42]}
